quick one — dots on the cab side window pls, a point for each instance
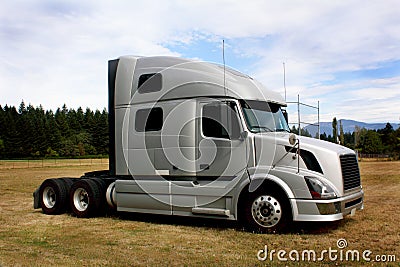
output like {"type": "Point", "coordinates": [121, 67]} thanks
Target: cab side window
{"type": "Point", "coordinates": [220, 120]}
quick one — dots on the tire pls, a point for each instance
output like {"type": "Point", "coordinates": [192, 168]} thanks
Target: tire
{"type": "Point", "coordinates": [266, 212]}
{"type": "Point", "coordinates": [102, 185]}
{"type": "Point", "coordinates": [68, 183]}
{"type": "Point", "coordinates": [85, 198]}
{"type": "Point", "coordinates": [53, 196]}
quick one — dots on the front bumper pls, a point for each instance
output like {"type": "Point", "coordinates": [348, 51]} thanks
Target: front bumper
{"type": "Point", "coordinates": [327, 210]}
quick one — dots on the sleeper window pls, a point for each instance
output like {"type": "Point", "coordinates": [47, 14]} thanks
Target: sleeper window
{"type": "Point", "coordinates": [149, 83]}
{"type": "Point", "coordinates": [149, 119]}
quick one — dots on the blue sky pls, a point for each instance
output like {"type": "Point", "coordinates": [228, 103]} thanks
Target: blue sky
{"type": "Point", "coordinates": [344, 54]}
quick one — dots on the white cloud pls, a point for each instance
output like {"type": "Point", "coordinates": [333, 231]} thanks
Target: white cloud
{"type": "Point", "coordinates": [56, 52]}
{"type": "Point", "coordinates": [374, 99]}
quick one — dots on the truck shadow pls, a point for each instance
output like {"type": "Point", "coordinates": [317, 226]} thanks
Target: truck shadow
{"type": "Point", "coordinates": [315, 228]}
{"type": "Point", "coordinates": [178, 220]}
{"type": "Point", "coordinates": [309, 228]}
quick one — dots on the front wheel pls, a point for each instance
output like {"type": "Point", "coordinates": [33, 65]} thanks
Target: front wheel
{"type": "Point", "coordinates": [266, 212]}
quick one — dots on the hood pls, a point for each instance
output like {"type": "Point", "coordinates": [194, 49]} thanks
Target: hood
{"type": "Point", "coordinates": [321, 145]}
{"type": "Point", "coordinates": [320, 158]}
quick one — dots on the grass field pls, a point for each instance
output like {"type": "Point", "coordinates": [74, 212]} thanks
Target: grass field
{"type": "Point", "coordinates": [30, 238]}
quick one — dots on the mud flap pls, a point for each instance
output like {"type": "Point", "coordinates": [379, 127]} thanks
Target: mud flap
{"type": "Point", "coordinates": [36, 204]}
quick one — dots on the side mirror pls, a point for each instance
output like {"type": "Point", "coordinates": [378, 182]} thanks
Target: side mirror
{"type": "Point", "coordinates": [243, 135]}
{"type": "Point", "coordinates": [292, 139]}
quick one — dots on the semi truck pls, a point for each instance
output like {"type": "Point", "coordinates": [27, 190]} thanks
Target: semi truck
{"type": "Point", "coordinates": [199, 139]}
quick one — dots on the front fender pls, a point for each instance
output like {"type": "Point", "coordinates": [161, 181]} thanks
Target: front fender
{"type": "Point", "coordinates": [259, 175]}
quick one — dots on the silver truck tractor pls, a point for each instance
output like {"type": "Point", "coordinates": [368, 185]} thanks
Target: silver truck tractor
{"type": "Point", "coordinates": [198, 139]}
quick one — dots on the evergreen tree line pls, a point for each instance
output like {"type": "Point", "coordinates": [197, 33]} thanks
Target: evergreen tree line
{"type": "Point", "coordinates": [29, 132]}
{"type": "Point", "coordinates": [304, 132]}
{"type": "Point", "coordinates": [382, 141]}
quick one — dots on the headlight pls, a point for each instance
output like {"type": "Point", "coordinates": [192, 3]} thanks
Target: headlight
{"type": "Point", "coordinates": [318, 189]}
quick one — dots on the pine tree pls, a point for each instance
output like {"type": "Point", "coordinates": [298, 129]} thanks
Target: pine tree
{"type": "Point", "coordinates": [341, 133]}
{"type": "Point", "coordinates": [349, 139]}
{"type": "Point", "coordinates": [22, 108]}
{"type": "Point", "coordinates": [53, 135]}
{"type": "Point", "coordinates": [61, 120]}
{"type": "Point", "coordinates": [334, 127]}
{"type": "Point", "coordinates": [294, 130]}
{"type": "Point", "coordinates": [387, 137]}
{"type": "Point", "coordinates": [12, 142]}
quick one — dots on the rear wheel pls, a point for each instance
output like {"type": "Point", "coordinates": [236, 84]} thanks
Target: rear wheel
{"type": "Point", "coordinates": [266, 212]}
{"type": "Point", "coordinates": [53, 196]}
{"type": "Point", "coordinates": [102, 185]}
{"type": "Point", "coordinates": [85, 198]}
{"type": "Point", "coordinates": [68, 183]}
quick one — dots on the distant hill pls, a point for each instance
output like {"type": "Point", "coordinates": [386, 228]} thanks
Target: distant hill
{"type": "Point", "coordinates": [348, 126]}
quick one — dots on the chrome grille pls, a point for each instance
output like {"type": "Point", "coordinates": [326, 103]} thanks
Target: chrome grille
{"type": "Point", "coordinates": [350, 171]}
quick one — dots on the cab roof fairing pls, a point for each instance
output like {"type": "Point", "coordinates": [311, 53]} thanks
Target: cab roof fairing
{"type": "Point", "coordinates": [190, 78]}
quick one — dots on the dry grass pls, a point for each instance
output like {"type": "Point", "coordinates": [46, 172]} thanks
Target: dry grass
{"type": "Point", "coordinates": [30, 238]}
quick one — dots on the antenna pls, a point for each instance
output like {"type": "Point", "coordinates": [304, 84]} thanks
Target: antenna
{"type": "Point", "coordinates": [223, 61]}
{"type": "Point", "coordinates": [227, 111]}
{"type": "Point", "coordinates": [284, 78]}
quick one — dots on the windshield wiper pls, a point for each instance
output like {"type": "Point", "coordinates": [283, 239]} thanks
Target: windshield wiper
{"type": "Point", "coordinates": [261, 127]}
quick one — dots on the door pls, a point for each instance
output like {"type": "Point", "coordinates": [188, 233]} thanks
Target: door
{"type": "Point", "coordinates": [220, 161]}
{"type": "Point", "coordinates": [222, 151]}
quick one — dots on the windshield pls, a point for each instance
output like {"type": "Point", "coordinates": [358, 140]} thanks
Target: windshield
{"type": "Point", "coordinates": [264, 117]}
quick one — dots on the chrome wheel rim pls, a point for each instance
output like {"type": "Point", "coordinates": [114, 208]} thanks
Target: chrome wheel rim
{"type": "Point", "coordinates": [81, 199]}
{"type": "Point", "coordinates": [266, 211]}
{"type": "Point", "coordinates": [49, 197]}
